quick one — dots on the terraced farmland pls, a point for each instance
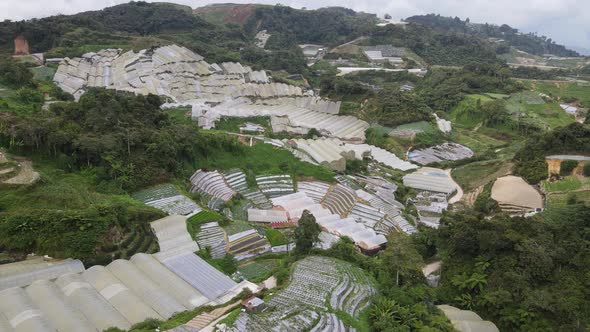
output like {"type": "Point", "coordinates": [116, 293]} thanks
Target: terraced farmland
{"type": "Point", "coordinates": [319, 291]}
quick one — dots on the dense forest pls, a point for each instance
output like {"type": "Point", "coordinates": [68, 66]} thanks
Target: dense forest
{"type": "Point", "coordinates": [530, 160]}
{"type": "Point", "coordinates": [327, 26]}
{"type": "Point", "coordinates": [529, 42]}
{"type": "Point", "coordinates": [437, 47]}
{"type": "Point", "coordinates": [440, 90]}
{"type": "Point", "coordinates": [526, 274]}
{"type": "Point", "coordinates": [129, 138]}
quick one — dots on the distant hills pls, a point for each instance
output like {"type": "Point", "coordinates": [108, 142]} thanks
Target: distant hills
{"type": "Point", "coordinates": [225, 32]}
{"type": "Point", "coordinates": [502, 34]}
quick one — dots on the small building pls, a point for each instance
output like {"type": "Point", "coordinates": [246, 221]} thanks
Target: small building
{"type": "Point", "coordinates": [251, 127]}
{"type": "Point", "coordinates": [384, 54]}
{"type": "Point", "coordinates": [407, 87]}
{"type": "Point", "coordinates": [312, 50]}
{"type": "Point", "coordinates": [253, 304]}
{"type": "Point", "coordinates": [573, 110]}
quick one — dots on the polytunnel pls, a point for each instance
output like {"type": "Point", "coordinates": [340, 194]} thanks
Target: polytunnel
{"type": "Point", "coordinates": [119, 296]}
{"type": "Point", "coordinates": [22, 274]}
{"type": "Point", "coordinates": [148, 291]}
{"type": "Point", "coordinates": [47, 296]}
{"type": "Point", "coordinates": [198, 273]}
{"type": "Point", "coordinates": [170, 282]}
{"type": "Point", "coordinates": [86, 299]}
{"type": "Point", "coordinates": [4, 324]}
{"type": "Point", "coordinates": [23, 315]}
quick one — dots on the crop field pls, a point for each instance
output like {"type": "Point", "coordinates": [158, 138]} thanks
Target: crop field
{"type": "Point", "coordinates": [258, 268]}
{"type": "Point", "coordinates": [265, 159]}
{"type": "Point", "coordinates": [321, 292]}
{"type": "Point", "coordinates": [420, 125]}
{"type": "Point", "coordinates": [237, 227]}
{"type": "Point", "coordinates": [156, 192]}
{"type": "Point", "coordinates": [496, 95]}
{"type": "Point", "coordinates": [526, 97]}
{"type": "Point", "coordinates": [205, 216]}
{"type": "Point", "coordinates": [476, 141]}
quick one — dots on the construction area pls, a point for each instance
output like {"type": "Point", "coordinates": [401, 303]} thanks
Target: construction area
{"type": "Point", "coordinates": [515, 196]}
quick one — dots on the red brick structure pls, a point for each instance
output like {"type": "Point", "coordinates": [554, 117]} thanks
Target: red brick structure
{"type": "Point", "coordinates": [21, 45]}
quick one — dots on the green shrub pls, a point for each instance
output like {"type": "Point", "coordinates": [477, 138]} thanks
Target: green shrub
{"type": "Point", "coordinates": [567, 166]}
{"type": "Point", "coordinates": [586, 170]}
{"type": "Point", "coordinates": [27, 95]}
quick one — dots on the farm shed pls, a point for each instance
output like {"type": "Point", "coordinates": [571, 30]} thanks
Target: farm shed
{"type": "Point", "coordinates": [384, 54]}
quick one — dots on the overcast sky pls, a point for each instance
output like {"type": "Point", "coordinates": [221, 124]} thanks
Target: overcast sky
{"type": "Point", "coordinates": [566, 21]}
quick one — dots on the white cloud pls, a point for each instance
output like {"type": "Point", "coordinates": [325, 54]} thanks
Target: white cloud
{"type": "Point", "coordinates": [566, 21]}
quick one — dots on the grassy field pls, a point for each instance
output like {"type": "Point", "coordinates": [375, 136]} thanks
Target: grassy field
{"type": "Point", "coordinates": [43, 73]}
{"type": "Point", "coordinates": [477, 174]}
{"type": "Point", "coordinates": [237, 227]}
{"type": "Point", "coordinates": [180, 115]}
{"type": "Point", "coordinates": [571, 188]}
{"type": "Point", "coordinates": [60, 190]}
{"type": "Point", "coordinates": [496, 95]}
{"type": "Point", "coordinates": [567, 184]}
{"type": "Point", "coordinates": [193, 224]}
{"type": "Point", "coordinates": [562, 90]}
{"type": "Point", "coordinates": [537, 111]}
{"type": "Point", "coordinates": [463, 115]}
{"type": "Point", "coordinates": [5, 91]}
{"type": "Point", "coordinates": [265, 159]}
{"type": "Point", "coordinates": [561, 199]}
{"type": "Point", "coordinates": [476, 141]}
{"type": "Point", "coordinates": [74, 195]}
{"type": "Point", "coordinates": [526, 106]}
{"type": "Point", "coordinates": [232, 124]}
{"type": "Point", "coordinates": [275, 237]}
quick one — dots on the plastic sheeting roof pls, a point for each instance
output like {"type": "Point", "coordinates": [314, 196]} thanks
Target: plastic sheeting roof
{"type": "Point", "coordinates": [86, 299]}
{"type": "Point", "coordinates": [170, 282]}
{"type": "Point", "coordinates": [467, 321]}
{"type": "Point", "coordinates": [138, 282]}
{"type": "Point", "coordinates": [172, 233]}
{"type": "Point", "coordinates": [430, 179]}
{"type": "Point", "coordinates": [199, 274]}
{"type": "Point", "coordinates": [119, 295]}
{"type": "Point", "coordinates": [61, 313]}
{"type": "Point", "coordinates": [22, 313]}
{"type": "Point", "coordinates": [23, 273]}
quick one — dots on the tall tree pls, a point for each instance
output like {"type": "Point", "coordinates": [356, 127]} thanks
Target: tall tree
{"type": "Point", "coordinates": [400, 259]}
{"type": "Point", "coordinates": [307, 234]}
